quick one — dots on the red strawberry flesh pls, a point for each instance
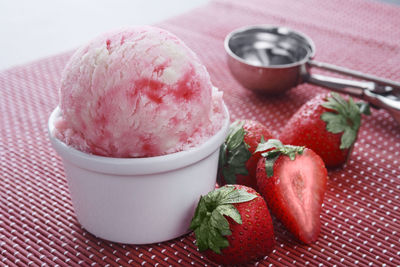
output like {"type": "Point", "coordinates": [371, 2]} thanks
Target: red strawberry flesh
{"type": "Point", "coordinates": [295, 192]}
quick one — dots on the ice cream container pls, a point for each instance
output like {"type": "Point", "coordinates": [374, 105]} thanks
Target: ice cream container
{"type": "Point", "coordinates": [139, 200]}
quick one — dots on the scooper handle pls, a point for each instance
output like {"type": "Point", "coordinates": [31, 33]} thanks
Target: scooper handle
{"type": "Point", "coordinates": [379, 92]}
{"type": "Point", "coordinates": [355, 74]}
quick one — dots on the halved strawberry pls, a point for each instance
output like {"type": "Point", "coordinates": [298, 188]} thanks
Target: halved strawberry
{"type": "Point", "coordinates": [292, 180]}
{"type": "Point", "coordinates": [232, 225]}
{"type": "Point", "coordinates": [237, 161]}
{"type": "Point", "coordinates": [327, 124]}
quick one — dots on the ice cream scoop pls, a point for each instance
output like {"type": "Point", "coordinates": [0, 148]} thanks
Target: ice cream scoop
{"type": "Point", "coordinates": [273, 59]}
{"type": "Point", "coordinates": [137, 92]}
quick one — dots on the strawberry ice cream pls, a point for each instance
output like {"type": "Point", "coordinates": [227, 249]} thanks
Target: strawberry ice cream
{"type": "Point", "coordinates": [137, 92]}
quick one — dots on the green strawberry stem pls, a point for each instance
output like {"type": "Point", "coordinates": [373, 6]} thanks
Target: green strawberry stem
{"type": "Point", "coordinates": [234, 154]}
{"type": "Point", "coordinates": [345, 119]}
{"type": "Point", "coordinates": [209, 223]}
{"type": "Point", "coordinates": [275, 149]}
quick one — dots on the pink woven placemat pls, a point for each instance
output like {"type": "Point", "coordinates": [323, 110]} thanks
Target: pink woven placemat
{"type": "Point", "coordinates": [360, 215]}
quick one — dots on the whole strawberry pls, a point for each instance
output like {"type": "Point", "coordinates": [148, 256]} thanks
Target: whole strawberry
{"type": "Point", "coordinates": [232, 225]}
{"type": "Point", "coordinates": [292, 180]}
{"type": "Point", "coordinates": [327, 124]}
{"type": "Point", "coordinates": [237, 161]}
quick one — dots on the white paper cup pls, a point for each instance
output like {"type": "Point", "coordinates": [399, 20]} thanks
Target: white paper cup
{"type": "Point", "coordinates": [139, 200]}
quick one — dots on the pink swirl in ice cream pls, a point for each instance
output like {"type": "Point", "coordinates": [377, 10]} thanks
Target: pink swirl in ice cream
{"type": "Point", "coordinates": [137, 92]}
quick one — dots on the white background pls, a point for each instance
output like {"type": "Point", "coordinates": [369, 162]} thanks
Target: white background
{"type": "Point", "coordinates": [32, 29]}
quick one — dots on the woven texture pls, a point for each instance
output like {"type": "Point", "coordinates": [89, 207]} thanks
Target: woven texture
{"type": "Point", "coordinates": [360, 215]}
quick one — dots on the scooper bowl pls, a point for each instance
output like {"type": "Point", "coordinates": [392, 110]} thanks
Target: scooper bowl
{"type": "Point", "coordinates": [266, 58]}
{"type": "Point", "coordinates": [274, 59]}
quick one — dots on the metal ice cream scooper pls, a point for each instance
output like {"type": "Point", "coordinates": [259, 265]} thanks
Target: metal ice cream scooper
{"type": "Point", "coordinates": [273, 59]}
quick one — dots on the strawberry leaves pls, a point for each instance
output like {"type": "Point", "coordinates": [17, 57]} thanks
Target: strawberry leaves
{"type": "Point", "coordinates": [345, 119]}
{"type": "Point", "coordinates": [234, 153]}
{"type": "Point", "coordinates": [209, 222]}
{"type": "Point", "coordinates": [275, 149]}
{"type": "Point", "coordinates": [209, 228]}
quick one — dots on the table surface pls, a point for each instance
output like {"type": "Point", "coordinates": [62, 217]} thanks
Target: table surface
{"type": "Point", "coordinates": [360, 213]}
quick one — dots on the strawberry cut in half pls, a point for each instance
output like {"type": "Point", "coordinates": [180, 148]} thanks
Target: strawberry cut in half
{"type": "Point", "coordinates": [238, 160]}
{"type": "Point", "coordinates": [328, 124]}
{"type": "Point", "coordinates": [232, 225]}
{"type": "Point", "coordinates": [292, 180]}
